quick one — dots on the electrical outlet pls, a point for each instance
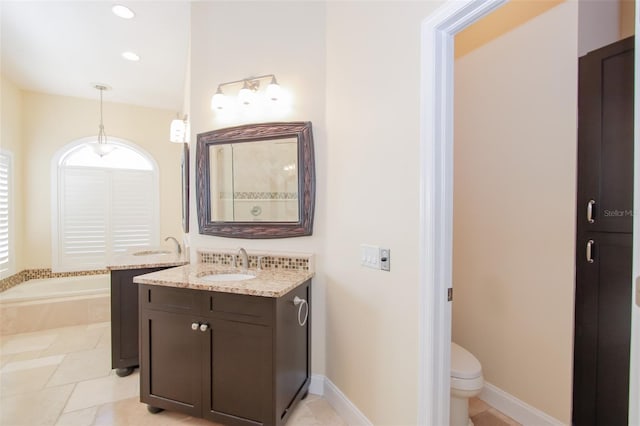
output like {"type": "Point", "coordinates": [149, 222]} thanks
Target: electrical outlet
{"type": "Point", "coordinates": [370, 256]}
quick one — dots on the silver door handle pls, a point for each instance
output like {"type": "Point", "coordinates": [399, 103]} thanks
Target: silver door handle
{"type": "Point", "coordinates": [590, 211]}
{"type": "Point", "coordinates": [589, 245]}
{"type": "Point", "coordinates": [204, 327]}
{"type": "Point", "coordinates": [195, 326]}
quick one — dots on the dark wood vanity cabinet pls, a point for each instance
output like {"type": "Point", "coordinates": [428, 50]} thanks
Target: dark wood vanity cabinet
{"type": "Point", "coordinates": [124, 319]}
{"type": "Point", "coordinates": [230, 358]}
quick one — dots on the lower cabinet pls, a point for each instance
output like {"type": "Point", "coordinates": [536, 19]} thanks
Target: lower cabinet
{"type": "Point", "coordinates": [602, 339]}
{"type": "Point", "coordinates": [124, 319]}
{"type": "Point", "coordinates": [229, 358]}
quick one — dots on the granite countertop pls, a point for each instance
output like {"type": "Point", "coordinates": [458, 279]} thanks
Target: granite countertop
{"type": "Point", "coordinates": [148, 257]}
{"type": "Point", "coordinates": [267, 283]}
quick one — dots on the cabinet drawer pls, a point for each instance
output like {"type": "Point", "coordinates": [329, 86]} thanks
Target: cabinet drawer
{"type": "Point", "coordinates": [238, 307]}
{"type": "Point", "coordinates": [170, 299]}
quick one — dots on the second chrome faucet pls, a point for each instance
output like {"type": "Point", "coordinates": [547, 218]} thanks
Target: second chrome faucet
{"type": "Point", "coordinates": [178, 248]}
{"type": "Point", "coordinates": [245, 259]}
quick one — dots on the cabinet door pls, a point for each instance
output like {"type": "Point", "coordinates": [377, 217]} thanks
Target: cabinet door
{"type": "Point", "coordinates": [605, 138]}
{"type": "Point", "coordinates": [124, 317]}
{"type": "Point", "coordinates": [293, 342]}
{"type": "Point", "coordinates": [237, 385]}
{"type": "Point", "coordinates": [602, 330]}
{"type": "Point", "coordinates": [171, 362]}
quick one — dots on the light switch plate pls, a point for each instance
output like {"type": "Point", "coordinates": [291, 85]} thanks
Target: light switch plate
{"type": "Point", "coordinates": [370, 256]}
{"type": "Point", "coordinates": [385, 259]}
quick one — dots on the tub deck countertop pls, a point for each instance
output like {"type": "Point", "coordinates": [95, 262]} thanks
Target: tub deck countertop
{"type": "Point", "coordinates": [267, 282]}
{"type": "Point", "coordinates": [148, 257]}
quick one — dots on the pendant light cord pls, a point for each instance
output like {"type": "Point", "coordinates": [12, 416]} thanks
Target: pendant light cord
{"type": "Point", "coordinates": [102, 137]}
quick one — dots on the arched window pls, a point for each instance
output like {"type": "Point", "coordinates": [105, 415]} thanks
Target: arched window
{"type": "Point", "coordinates": [102, 206]}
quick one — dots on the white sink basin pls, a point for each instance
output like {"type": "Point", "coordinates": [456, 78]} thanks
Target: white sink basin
{"type": "Point", "coordinates": [150, 252]}
{"type": "Point", "coordinates": [227, 277]}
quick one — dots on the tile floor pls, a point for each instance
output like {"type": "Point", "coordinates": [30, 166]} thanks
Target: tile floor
{"type": "Point", "coordinates": [63, 377]}
{"type": "Point", "coordinates": [482, 414]}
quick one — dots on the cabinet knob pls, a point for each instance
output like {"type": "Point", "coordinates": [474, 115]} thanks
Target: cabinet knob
{"type": "Point", "coordinates": [204, 327]}
{"type": "Point", "coordinates": [195, 326]}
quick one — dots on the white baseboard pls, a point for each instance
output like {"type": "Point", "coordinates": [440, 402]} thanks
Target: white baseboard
{"type": "Point", "coordinates": [316, 386]}
{"type": "Point", "coordinates": [320, 385]}
{"type": "Point", "coordinates": [516, 409]}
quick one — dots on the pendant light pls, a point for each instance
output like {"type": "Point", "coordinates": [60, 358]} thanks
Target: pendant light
{"type": "Point", "coordinates": [102, 147]}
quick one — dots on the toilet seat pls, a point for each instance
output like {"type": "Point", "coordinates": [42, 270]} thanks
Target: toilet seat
{"type": "Point", "coordinates": [463, 364]}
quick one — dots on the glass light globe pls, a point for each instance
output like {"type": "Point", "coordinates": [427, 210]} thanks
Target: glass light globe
{"type": "Point", "coordinates": [218, 101]}
{"type": "Point", "coordinates": [102, 148]}
{"type": "Point", "coordinates": [178, 130]}
{"type": "Point", "coordinates": [273, 91]}
{"type": "Point", "coordinates": [245, 96]}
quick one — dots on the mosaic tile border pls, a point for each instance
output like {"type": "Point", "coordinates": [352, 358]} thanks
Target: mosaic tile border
{"type": "Point", "coordinates": [259, 195]}
{"type": "Point", "coordinates": [267, 261]}
{"type": "Point", "coordinates": [32, 274]}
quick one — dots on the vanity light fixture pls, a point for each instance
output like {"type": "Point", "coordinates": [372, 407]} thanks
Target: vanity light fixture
{"type": "Point", "coordinates": [102, 147]}
{"type": "Point", "coordinates": [248, 93]}
{"type": "Point", "coordinates": [180, 132]}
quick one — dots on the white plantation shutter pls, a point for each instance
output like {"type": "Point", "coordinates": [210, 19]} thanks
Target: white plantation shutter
{"type": "Point", "coordinates": [84, 215]}
{"type": "Point", "coordinates": [5, 215]}
{"type": "Point", "coordinates": [103, 211]}
{"type": "Point", "coordinates": [133, 209]}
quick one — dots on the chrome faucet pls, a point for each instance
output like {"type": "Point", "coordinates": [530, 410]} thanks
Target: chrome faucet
{"type": "Point", "coordinates": [178, 248]}
{"type": "Point", "coordinates": [245, 259]}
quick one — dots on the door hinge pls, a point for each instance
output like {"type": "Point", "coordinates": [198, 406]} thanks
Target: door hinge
{"type": "Point", "coordinates": [449, 294]}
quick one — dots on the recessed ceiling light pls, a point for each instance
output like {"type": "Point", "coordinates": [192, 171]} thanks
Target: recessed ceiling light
{"type": "Point", "coordinates": [130, 56]}
{"type": "Point", "coordinates": [123, 11]}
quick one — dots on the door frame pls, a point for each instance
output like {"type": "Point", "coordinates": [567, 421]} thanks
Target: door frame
{"type": "Point", "coordinates": [436, 200]}
{"type": "Point", "coordinates": [634, 367]}
{"type": "Point", "coordinates": [436, 208]}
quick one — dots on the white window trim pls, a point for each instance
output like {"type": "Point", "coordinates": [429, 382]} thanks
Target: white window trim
{"type": "Point", "coordinates": [12, 246]}
{"type": "Point", "coordinates": [56, 162]}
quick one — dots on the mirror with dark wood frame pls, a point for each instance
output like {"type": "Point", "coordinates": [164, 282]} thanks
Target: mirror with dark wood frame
{"type": "Point", "coordinates": [256, 181]}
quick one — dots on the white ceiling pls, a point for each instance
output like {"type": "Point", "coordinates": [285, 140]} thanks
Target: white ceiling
{"type": "Point", "coordinates": [64, 47]}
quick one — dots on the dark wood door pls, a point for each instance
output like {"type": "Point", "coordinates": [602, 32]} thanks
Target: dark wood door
{"type": "Point", "coordinates": [603, 330]}
{"type": "Point", "coordinates": [237, 385]}
{"type": "Point", "coordinates": [605, 135]}
{"type": "Point", "coordinates": [604, 238]}
{"type": "Point", "coordinates": [172, 350]}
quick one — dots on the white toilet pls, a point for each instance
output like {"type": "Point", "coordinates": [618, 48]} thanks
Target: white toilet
{"type": "Point", "coordinates": [466, 382]}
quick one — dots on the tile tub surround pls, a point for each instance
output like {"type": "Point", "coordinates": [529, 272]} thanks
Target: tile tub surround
{"type": "Point", "coordinates": [267, 283]}
{"type": "Point", "coordinates": [32, 274]}
{"type": "Point", "coordinates": [129, 260]}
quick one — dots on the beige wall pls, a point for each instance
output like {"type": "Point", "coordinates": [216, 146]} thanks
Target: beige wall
{"type": "Point", "coordinates": [358, 63]}
{"type": "Point", "coordinates": [627, 18]}
{"type": "Point", "coordinates": [234, 40]}
{"type": "Point", "coordinates": [11, 122]}
{"type": "Point", "coordinates": [372, 175]}
{"type": "Point", "coordinates": [600, 23]}
{"type": "Point", "coordinates": [514, 208]}
{"type": "Point", "coordinates": [51, 122]}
